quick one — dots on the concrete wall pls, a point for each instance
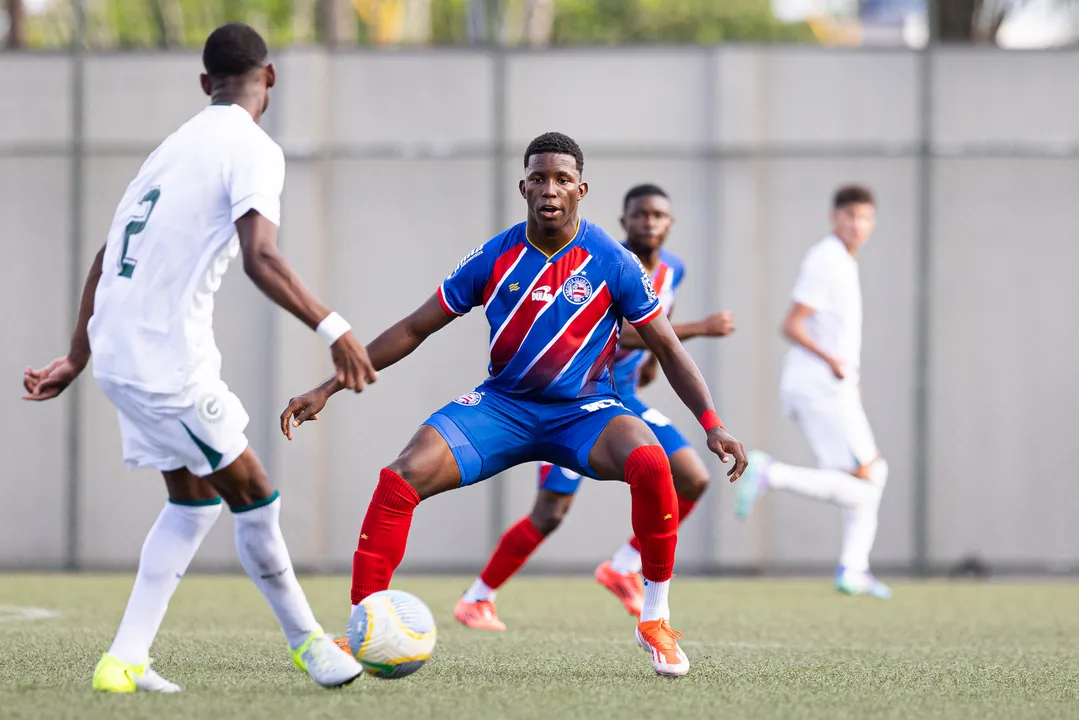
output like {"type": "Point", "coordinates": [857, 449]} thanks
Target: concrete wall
{"type": "Point", "coordinates": [395, 170]}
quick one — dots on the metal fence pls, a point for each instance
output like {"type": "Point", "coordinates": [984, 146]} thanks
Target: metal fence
{"type": "Point", "coordinates": [401, 161]}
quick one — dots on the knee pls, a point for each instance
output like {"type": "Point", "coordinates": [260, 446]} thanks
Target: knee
{"type": "Point", "coordinates": [547, 515]}
{"type": "Point", "coordinates": [647, 464]}
{"type": "Point", "coordinates": [413, 476]}
{"type": "Point", "coordinates": [691, 485]}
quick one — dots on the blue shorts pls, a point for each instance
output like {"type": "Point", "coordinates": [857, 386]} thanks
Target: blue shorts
{"type": "Point", "coordinates": [490, 431]}
{"type": "Point", "coordinates": [566, 481]}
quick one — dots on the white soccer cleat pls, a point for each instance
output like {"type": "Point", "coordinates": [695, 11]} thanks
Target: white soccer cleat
{"type": "Point", "coordinates": [325, 662]}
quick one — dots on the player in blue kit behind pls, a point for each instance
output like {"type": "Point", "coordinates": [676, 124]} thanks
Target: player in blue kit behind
{"type": "Point", "coordinates": [555, 290]}
{"type": "Point", "coordinates": [647, 220]}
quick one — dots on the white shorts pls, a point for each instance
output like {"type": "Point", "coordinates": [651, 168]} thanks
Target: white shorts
{"type": "Point", "coordinates": [836, 429]}
{"type": "Point", "coordinates": [201, 429]}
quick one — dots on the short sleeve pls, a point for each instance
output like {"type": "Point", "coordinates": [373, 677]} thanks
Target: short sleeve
{"type": "Point", "coordinates": [679, 269]}
{"type": "Point", "coordinates": [463, 289]}
{"type": "Point", "coordinates": [811, 287]}
{"type": "Point", "coordinates": [637, 301]}
{"type": "Point", "coordinates": [256, 179]}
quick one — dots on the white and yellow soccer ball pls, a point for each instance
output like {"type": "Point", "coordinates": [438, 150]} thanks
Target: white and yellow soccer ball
{"type": "Point", "coordinates": [392, 633]}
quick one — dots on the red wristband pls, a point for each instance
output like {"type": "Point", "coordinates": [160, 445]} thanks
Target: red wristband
{"type": "Point", "coordinates": [710, 419]}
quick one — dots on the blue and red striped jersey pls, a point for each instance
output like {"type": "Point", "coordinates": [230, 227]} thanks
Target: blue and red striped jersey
{"type": "Point", "coordinates": [667, 277]}
{"type": "Point", "coordinates": [555, 320]}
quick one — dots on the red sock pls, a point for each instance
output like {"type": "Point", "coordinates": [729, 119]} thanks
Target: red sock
{"type": "Point", "coordinates": [654, 510]}
{"type": "Point", "coordinates": [516, 546]}
{"type": "Point", "coordinates": [383, 535]}
{"type": "Point", "coordinates": [685, 507]}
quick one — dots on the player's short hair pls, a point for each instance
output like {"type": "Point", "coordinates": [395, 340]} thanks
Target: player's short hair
{"type": "Point", "coordinates": [852, 195]}
{"type": "Point", "coordinates": [645, 190]}
{"type": "Point", "coordinates": [233, 50]}
{"type": "Point", "coordinates": [556, 142]}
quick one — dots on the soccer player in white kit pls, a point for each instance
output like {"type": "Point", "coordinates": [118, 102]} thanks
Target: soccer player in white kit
{"type": "Point", "coordinates": [209, 191]}
{"type": "Point", "coordinates": [820, 388]}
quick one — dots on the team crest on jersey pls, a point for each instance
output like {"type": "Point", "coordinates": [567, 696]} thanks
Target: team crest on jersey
{"type": "Point", "coordinates": [577, 289]}
{"type": "Point", "coordinates": [211, 408]}
{"type": "Point", "coordinates": [469, 399]}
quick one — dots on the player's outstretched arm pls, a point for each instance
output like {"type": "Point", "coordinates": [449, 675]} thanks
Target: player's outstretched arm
{"type": "Point", "coordinates": [272, 274]}
{"type": "Point", "coordinates": [53, 379]}
{"type": "Point", "coordinates": [393, 345]}
{"type": "Point", "coordinates": [687, 381]}
{"type": "Point", "coordinates": [715, 325]}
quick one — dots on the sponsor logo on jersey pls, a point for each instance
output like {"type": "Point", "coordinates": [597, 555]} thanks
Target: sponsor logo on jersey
{"type": "Point", "coordinates": [472, 255]}
{"type": "Point", "coordinates": [601, 405]}
{"type": "Point", "coordinates": [645, 280]}
{"type": "Point", "coordinates": [514, 287]}
{"type": "Point", "coordinates": [577, 289]}
{"type": "Point", "coordinates": [469, 399]}
{"type": "Point", "coordinates": [542, 294]}
{"type": "Point", "coordinates": [211, 408]}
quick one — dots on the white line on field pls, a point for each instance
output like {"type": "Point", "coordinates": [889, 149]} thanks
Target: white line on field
{"type": "Point", "coordinates": [20, 613]}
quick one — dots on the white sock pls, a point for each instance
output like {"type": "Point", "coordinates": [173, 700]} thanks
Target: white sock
{"type": "Point", "coordinates": [480, 591]}
{"type": "Point", "coordinates": [626, 559]}
{"type": "Point", "coordinates": [834, 486]}
{"type": "Point", "coordinates": [655, 601]}
{"type": "Point", "coordinates": [167, 551]}
{"type": "Point", "coordinates": [265, 557]}
{"type": "Point", "coordinates": [860, 522]}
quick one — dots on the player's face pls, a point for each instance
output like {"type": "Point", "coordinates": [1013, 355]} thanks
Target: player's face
{"type": "Point", "coordinates": [552, 188]}
{"type": "Point", "coordinates": [646, 222]}
{"type": "Point", "coordinates": [853, 224]}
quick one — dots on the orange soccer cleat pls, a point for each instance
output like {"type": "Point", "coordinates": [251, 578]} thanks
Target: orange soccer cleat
{"type": "Point", "coordinates": [661, 641]}
{"type": "Point", "coordinates": [626, 587]}
{"type": "Point", "coordinates": [478, 615]}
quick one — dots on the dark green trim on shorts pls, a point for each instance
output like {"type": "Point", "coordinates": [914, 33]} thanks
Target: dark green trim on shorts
{"type": "Point", "coordinates": [257, 504]}
{"type": "Point", "coordinates": [212, 456]}
{"type": "Point", "coordinates": [196, 503]}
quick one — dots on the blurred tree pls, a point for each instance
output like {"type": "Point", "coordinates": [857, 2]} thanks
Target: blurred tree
{"type": "Point", "coordinates": [16, 29]}
{"type": "Point", "coordinates": [610, 22]}
{"type": "Point", "coordinates": [185, 23]}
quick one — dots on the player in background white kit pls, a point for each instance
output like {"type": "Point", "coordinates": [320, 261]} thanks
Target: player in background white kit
{"type": "Point", "coordinates": [209, 191]}
{"type": "Point", "coordinates": [820, 388]}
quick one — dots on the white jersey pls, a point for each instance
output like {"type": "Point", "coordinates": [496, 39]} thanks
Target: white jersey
{"type": "Point", "coordinates": [828, 283]}
{"type": "Point", "coordinates": [171, 240]}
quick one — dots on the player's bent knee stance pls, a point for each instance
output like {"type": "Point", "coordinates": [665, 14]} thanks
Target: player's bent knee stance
{"type": "Point", "coordinates": [654, 510]}
{"type": "Point", "coordinates": [549, 511]}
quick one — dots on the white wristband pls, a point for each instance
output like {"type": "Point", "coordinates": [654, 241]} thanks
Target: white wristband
{"type": "Point", "coordinates": [332, 327]}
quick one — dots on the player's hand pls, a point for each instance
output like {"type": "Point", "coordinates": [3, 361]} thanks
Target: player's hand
{"type": "Point", "coordinates": [838, 370]}
{"type": "Point", "coordinates": [51, 380]}
{"type": "Point", "coordinates": [301, 409]}
{"type": "Point", "coordinates": [718, 324]}
{"type": "Point", "coordinates": [723, 444]}
{"type": "Point", "coordinates": [354, 368]}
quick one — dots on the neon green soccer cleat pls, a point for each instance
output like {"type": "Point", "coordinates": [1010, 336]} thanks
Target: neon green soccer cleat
{"type": "Point", "coordinates": [114, 676]}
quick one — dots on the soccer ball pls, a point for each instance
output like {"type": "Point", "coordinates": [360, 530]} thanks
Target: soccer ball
{"type": "Point", "coordinates": [391, 633]}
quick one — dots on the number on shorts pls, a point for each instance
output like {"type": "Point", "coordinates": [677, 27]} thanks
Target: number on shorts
{"type": "Point", "coordinates": [135, 226]}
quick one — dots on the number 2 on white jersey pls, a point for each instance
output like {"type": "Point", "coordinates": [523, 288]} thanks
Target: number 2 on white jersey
{"type": "Point", "coordinates": [135, 226]}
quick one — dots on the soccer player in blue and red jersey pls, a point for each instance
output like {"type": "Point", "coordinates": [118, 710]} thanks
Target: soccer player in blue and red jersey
{"type": "Point", "coordinates": [647, 220]}
{"type": "Point", "coordinates": [555, 290]}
